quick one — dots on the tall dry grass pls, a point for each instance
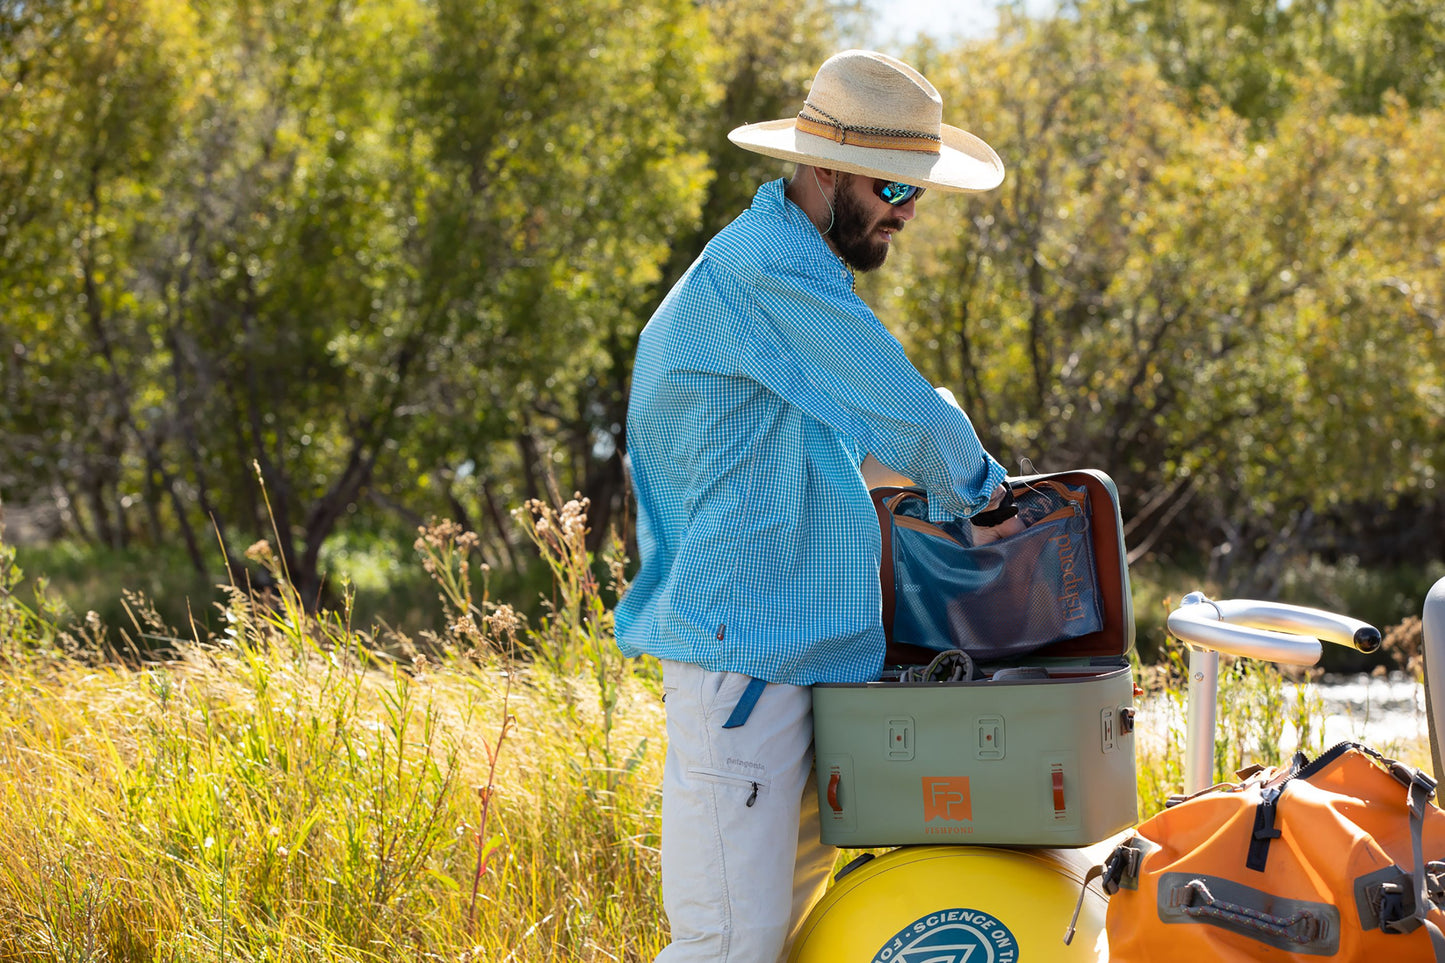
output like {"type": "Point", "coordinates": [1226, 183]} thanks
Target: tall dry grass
{"type": "Point", "coordinates": [302, 789]}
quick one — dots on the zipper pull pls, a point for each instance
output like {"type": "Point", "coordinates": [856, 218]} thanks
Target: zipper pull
{"type": "Point", "coordinates": [754, 797]}
{"type": "Point", "coordinates": [1079, 522]}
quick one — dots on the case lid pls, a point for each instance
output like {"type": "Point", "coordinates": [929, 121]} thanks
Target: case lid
{"type": "Point", "coordinates": [1116, 637]}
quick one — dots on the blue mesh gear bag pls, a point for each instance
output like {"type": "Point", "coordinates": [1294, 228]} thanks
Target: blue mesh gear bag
{"type": "Point", "coordinates": [997, 601]}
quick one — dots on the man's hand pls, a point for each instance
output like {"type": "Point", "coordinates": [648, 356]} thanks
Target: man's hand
{"type": "Point", "coordinates": [988, 526]}
{"type": "Point", "coordinates": [984, 535]}
{"type": "Point", "coordinates": [1012, 526]}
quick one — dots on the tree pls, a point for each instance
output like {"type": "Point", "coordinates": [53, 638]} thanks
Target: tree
{"type": "Point", "coordinates": [1249, 53]}
{"type": "Point", "coordinates": [1133, 296]}
{"type": "Point", "coordinates": [362, 241]}
{"type": "Point", "coordinates": [90, 97]}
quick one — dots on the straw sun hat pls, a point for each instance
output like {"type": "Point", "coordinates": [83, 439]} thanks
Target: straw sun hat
{"type": "Point", "coordinates": [867, 113]}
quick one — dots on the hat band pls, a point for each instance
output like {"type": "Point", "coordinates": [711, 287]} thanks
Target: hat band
{"type": "Point", "coordinates": [876, 137]}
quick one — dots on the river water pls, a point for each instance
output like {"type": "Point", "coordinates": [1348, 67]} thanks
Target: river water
{"type": "Point", "coordinates": [1382, 712]}
{"type": "Point", "coordinates": [1385, 712]}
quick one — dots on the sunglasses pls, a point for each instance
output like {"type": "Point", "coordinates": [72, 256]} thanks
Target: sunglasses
{"type": "Point", "coordinates": [897, 193]}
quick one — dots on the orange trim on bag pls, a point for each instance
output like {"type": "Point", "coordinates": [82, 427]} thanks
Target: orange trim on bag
{"type": "Point", "coordinates": [927, 528]}
{"type": "Point", "coordinates": [1076, 500]}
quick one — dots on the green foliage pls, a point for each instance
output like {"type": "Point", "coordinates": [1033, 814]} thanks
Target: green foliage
{"type": "Point", "coordinates": [1261, 720]}
{"type": "Point", "coordinates": [392, 257]}
{"type": "Point", "coordinates": [21, 624]}
{"type": "Point", "coordinates": [1250, 53]}
{"type": "Point", "coordinates": [106, 584]}
{"type": "Point", "coordinates": [381, 248]}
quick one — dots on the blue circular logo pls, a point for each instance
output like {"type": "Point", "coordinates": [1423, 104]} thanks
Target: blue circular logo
{"type": "Point", "coordinates": [951, 936]}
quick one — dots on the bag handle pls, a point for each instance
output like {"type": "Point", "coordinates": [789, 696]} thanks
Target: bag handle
{"type": "Point", "coordinates": [1419, 789]}
{"type": "Point", "coordinates": [1075, 502]}
{"type": "Point", "coordinates": [1305, 928]}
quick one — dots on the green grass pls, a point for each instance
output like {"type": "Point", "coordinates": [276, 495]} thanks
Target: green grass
{"type": "Point", "coordinates": [384, 581]}
{"type": "Point", "coordinates": [378, 571]}
{"type": "Point", "coordinates": [82, 578]}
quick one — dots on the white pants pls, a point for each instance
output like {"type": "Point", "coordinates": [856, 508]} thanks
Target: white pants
{"type": "Point", "coordinates": [741, 859]}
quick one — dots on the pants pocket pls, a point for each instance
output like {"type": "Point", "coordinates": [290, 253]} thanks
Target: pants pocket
{"type": "Point", "coordinates": [721, 692]}
{"type": "Point", "coordinates": [749, 788]}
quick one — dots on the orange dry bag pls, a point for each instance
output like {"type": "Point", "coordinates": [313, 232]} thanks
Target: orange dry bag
{"type": "Point", "coordinates": [1330, 859]}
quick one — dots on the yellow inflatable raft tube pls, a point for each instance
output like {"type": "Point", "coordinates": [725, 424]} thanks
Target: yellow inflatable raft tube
{"type": "Point", "coordinates": [960, 904]}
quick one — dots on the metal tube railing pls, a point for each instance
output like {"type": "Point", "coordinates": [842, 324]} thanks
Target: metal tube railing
{"type": "Point", "coordinates": [1272, 631]}
{"type": "Point", "coordinates": [1433, 627]}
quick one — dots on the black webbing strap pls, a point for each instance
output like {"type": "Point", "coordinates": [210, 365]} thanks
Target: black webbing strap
{"type": "Point", "coordinates": [1264, 828]}
{"type": "Point", "coordinates": [1420, 789]}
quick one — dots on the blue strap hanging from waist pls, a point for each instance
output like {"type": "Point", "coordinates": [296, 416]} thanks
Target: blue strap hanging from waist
{"type": "Point", "coordinates": [745, 705]}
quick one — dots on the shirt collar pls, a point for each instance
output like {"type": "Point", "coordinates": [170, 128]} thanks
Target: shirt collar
{"type": "Point", "coordinates": [770, 201]}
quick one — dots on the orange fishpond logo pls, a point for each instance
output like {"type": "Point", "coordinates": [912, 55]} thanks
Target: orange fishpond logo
{"type": "Point", "coordinates": [947, 798]}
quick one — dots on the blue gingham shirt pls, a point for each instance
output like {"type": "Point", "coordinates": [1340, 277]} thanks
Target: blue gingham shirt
{"type": "Point", "coordinates": [759, 385]}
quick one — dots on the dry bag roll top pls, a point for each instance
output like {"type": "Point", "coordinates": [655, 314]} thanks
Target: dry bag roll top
{"type": "Point", "coordinates": [1336, 859]}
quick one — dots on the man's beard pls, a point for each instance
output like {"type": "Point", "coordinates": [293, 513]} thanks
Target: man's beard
{"type": "Point", "coordinates": [853, 234]}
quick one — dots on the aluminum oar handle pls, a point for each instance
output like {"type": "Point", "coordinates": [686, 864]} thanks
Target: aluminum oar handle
{"type": "Point", "coordinates": [1272, 631]}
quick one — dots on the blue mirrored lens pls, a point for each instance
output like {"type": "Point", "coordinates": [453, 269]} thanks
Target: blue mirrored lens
{"type": "Point", "coordinates": [896, 193]}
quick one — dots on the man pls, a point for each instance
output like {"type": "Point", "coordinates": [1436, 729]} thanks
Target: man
{"type": "Point", "coordinates": [759, 385]}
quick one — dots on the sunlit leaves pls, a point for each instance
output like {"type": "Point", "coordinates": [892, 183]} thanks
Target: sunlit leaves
{"type": "Point", "coordinates": [1164, 291]}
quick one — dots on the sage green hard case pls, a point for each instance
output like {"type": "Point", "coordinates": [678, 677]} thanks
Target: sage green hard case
{"type": "Point", "coordinates": [1031, 762]}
